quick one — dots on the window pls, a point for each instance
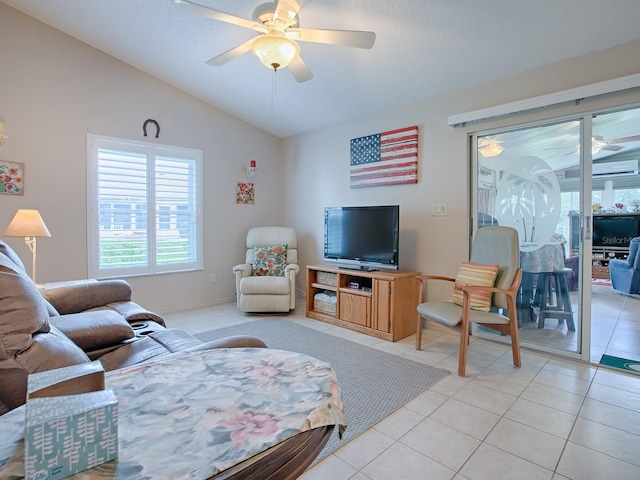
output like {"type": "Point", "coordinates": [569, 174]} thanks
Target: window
{"type": "Point", "coordinates": [145, 213]}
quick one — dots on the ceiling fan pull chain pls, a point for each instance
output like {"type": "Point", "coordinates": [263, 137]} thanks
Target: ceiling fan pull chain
{"type": "Point", "coordinates": [273, 92]}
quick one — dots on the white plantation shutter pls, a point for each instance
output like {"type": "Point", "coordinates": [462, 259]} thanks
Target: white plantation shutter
{"type": "Point", "coordinates": [144, 208]}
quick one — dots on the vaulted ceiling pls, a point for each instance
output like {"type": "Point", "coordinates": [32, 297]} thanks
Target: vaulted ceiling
{"type": "Point", "coordinates": [423, 48]}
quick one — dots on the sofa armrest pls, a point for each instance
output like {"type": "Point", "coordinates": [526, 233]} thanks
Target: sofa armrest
{"type": "Point", "coordinates": [94, 329]}
{"type": "Point", "coordinates": [80, 295]}
{"type": "Point", "coordinates": [132, 312]}
{"type": "Point", "coordinates": [237, 341]}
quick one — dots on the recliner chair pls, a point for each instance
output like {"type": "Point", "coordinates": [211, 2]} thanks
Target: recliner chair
{"type": "Point", "coordinates": [266, 282]}
{"type": "Point", "coordinates": [625, 274]}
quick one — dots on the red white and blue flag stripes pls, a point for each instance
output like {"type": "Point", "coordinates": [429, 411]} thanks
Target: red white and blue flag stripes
{"type": "Point", "coordinates": [388, 158]}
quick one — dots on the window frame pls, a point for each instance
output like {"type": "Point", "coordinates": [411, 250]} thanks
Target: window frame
{"type": "Point", "coordinates": [153, 152]}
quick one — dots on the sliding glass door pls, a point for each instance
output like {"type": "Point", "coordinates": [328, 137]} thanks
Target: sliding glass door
{"type": "Point", "coordinates": [571, 189]}
{"type": "Point", "coordinates": [519, 175]}
{"type": "Point", "coordinates": [615, 312]}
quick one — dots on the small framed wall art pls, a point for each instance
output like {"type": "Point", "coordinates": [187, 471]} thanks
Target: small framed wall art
{"type": "Point", "coordinates": [245, 193]}
{"type": "Point", "coordinates": [11, 178]}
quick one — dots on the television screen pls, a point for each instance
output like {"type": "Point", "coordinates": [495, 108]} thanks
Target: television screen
{"type": "Point", "coordinates": [364, 238]}
{"type": "Point", "coordinates": [615, 231]}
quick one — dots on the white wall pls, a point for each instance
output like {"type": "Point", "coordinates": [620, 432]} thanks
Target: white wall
{"type": "Point", "coordinates": [54, 90]}
{"type": "Point", "coordinates": [317, 163]}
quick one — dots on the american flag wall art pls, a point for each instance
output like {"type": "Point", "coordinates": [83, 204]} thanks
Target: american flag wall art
{"type": "Point", "coordinates": [388, 158]}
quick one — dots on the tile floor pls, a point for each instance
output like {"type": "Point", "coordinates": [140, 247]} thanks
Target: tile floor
{"type": "Point", "coordinates": [551, 419]}
{"type": "Point", "coordinates": [615, 326]}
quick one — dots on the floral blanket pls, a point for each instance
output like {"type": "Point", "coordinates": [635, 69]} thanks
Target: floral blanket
{"type": "Point", "coordinates": [195, 415]}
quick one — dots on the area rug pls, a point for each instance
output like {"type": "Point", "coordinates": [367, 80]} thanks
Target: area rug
{"type": "Point", "coordinates": [622, 363]}
{"type": "Point", "coordinates": [601, 281]}
{"type": "Point", "coordinates": [373, 383]}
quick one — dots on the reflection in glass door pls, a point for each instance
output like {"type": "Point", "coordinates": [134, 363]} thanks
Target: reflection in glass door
{"type": "Point", "coordinates": [615, 305]}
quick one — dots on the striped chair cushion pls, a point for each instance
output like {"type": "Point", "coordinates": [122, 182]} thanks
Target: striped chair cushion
{"type": "Point", "coordinates": [475, 274]}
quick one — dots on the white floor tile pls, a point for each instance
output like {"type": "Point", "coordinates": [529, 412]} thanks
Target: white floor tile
{"type": "Point", "coordinates": [485, 398]}
{"type": "Point", "coordinates": [399, 423]}
{"type": "Point", "coordinates": [562, 382]}
{"type": "Point", "coordinates": [553, 397]}
{"type": "Point", "coordinates": [503, 382]}
{"type": "Point", "coordinates": [331, 467]}
{"type": "Point", "coordinates": [365, 448]}
{"type": "Point", "coordinates": [466, 418]}
{"type": "Point", "coordinates": [544, 418]}
{"type": "Point", "coordinates": [580, 463]}
{"type": "Point", "coordinates": [490, 463]}
{"type": "Point", "coordinates": [400, 462]}
{"type": "Point", "coordinates": [608, 440]}
{"type": "Point", "coordinates": [443, 444]}
{"type": "Point", "coordinates": [612, 415]}
{"type": "Point", "coordinates": [526, 442]}
{"type": "Point", "coordinates": [614, 396]}
{"type": "Point", "coordinates": [426, 402]}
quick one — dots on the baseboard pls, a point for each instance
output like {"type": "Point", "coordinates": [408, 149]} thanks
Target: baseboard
{"type": "Point", "coordinates": [191, 306]}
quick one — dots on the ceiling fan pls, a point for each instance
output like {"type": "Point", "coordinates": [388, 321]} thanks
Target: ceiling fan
{"type": "Point", "coordinates": [599, 143]}
{"type": "Point", "coordinates": [277, 26]}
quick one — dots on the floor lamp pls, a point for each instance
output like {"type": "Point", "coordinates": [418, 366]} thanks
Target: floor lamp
{"type": "Point", "coordinates": [28, 224]}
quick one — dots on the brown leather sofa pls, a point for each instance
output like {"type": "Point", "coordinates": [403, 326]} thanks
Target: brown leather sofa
{"type": "Point", "coordinates": [61, 324]}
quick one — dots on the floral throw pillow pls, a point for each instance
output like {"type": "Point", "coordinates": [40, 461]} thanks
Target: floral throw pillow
{"type": "Point", "coordinates": [474, 274]}
{"type": "Point", "coordinates": [269, 260]}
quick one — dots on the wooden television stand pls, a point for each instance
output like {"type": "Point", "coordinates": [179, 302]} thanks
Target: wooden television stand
{"type": "Point", "coordinates": [379, 303]}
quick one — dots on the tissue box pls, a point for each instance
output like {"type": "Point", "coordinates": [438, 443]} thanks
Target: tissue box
{"type": "Point", "coordinates": [71, 422]}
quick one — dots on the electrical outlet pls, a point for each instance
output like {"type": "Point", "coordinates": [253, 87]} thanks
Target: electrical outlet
{"type": "Point", "coordinates": [214, 278]}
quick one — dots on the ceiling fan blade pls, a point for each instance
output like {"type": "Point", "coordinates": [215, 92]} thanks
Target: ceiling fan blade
{"type": "Point", "coordinates": [201, 10]}
{"type": "Point", "coordinates": [347, 38]}
{"type": "Point", "coordinates": [635, 138]}
{"type": "Point", "coordinates": [230, 54]}
{"type": "Point", "coordinates": [300, 70]}
{"type": "Point", "coordinates": [613, 148]}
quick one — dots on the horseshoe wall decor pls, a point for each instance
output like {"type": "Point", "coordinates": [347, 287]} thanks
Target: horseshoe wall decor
{"type": "Point", "coordinates": [144, 127]}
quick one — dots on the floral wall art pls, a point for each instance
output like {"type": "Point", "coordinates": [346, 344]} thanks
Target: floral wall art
{"type": "Point", "coordinates": [245, 193]}
{"type": "Point", "coordinates": [11, 178]}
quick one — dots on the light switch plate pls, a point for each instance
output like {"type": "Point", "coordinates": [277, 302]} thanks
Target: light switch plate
{"type": "Point", "coordinates": [438, 209]}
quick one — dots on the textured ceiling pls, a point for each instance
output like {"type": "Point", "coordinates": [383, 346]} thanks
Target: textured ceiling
{"type": "Point", "coordinates": [423, 48]}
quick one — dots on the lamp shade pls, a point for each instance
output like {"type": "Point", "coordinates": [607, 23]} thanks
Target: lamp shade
{"type": "Point", "coordinates": [27, 223]}
{"type": "Point", "coordinates": [274, 50]}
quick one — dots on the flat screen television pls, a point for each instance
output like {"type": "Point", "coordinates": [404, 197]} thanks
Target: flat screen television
{"type": "Point", "coordinates": [362, 238]}
{"type": "Point", "coordinates": [615, 231]}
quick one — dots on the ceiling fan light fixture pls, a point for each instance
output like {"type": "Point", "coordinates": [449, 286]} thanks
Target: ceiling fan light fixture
{"type": "Point", "coordinates": [490, 148]}
{"type": "Point", "coordinates": [275, 50]}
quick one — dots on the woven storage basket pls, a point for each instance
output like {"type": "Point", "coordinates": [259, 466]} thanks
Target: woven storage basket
{"type": "Point", "coordinates": [324, 307]}
{"type": "Point", "coordinates": [325, 303]}
{"type": "Point", "coordinates": [327, 278]}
